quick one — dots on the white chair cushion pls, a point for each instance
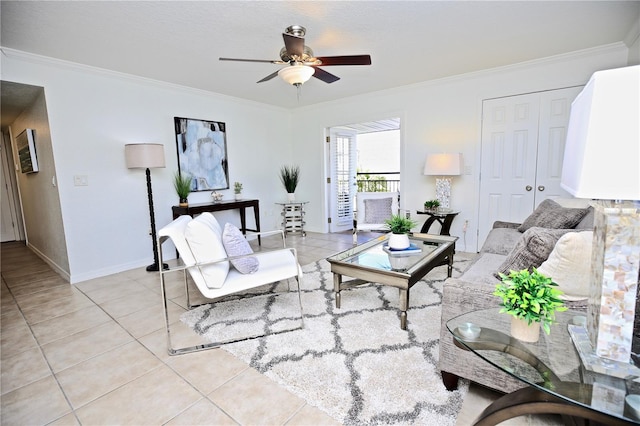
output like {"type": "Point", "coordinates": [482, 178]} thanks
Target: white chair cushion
{"type": "Point", "coordinates": [569, 264]}
{"type": "Point", "coordinates": [237, 245]}
{"type": "Point", "coordinates": [204, 239]}
{"type": "Point", "coordinates": [175, 231]}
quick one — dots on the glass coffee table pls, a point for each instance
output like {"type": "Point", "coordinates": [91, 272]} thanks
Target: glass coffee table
{"type": "Point", "coordinates": [373, 262]}
{"type": "Point", "coordinates": [558, 381]}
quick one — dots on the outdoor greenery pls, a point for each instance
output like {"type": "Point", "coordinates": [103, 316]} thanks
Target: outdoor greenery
{"type": "Point", "coordinates": [399, 224]}
{"type": "Point", "coordinates": [182, 184]}
{"type": "Point", "coordinates": [290, 176]}
{"type": "Point", "coordinates": [530, 296]}
{"type": "Point", "coordinates": [237, 187]}
{"type": "Point", "coordinates": [368, 183]}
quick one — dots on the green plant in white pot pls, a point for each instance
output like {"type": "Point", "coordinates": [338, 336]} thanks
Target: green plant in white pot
{"type": "Point", "coordinates": [532, 299]}
{"type": "Point", "coordinates": [237, 190]}
{"type": "Point", "coordinates": [400, 226]}
{"type": "Point", "coordinates": [290, 177]}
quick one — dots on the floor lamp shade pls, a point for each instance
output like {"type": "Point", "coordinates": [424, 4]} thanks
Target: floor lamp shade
{"type": "Point", "coordinates": [443, 165]}
{"type": "Point", "coordinates": [601, 158]}
{"type": "Point", "coordinates": [147, 156]}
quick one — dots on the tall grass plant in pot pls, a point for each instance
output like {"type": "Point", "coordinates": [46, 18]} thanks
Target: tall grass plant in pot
{"type": "Point", "coordinates": [290, 177]}
{"type": "Point", "coordinates": [532, 299]}
{"type": "Point", "coordinates": [182, 185]}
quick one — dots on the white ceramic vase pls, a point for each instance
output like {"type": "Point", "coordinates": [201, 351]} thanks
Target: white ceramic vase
{"type": "Point", "coordinates": [521, 330]}
{"type": "Point", "coordinates": [291, 196]}
{"type": "Point", "coordinates": [399, 241]}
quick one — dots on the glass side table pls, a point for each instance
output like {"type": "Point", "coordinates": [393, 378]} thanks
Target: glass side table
{"type": "Point", "coordinates": [557, 381]}
{"type": "Point", "coordinates": [443, 216]}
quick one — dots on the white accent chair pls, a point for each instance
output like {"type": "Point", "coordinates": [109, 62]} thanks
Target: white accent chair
{"type": "Point", "coordinates": [202, 254]}
{"type": "Point", "coordinates": [368, 219]}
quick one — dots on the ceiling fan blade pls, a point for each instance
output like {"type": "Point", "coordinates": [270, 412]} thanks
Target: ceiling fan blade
{"type": "Point", "coordinates": [345, 60]}
{"type": "Point", "coordinates": [269, 77]}
{"type": "Point", "coordinates": [293, 44]}
{"type": "Point", "coordinates": [251, 60]}
{"type": "Point", "coordinates": [327, 77]}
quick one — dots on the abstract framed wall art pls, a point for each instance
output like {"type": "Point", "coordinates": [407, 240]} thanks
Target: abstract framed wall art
{"type": "Point", "coordinates": [26, 145]}
{"type": "Point", "coordinates": [202, 153]}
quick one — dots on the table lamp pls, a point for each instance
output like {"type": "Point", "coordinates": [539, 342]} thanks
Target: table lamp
{"type": "Point", "coordinates": [443, 165]}
{"type": "Point", "coordinates": [601, 163]}
{"type": "Point", "coordinates": [147, 156]}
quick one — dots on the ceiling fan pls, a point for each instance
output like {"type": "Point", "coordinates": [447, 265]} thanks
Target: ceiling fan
{"type": "Point", "coordinates": [302, 63]}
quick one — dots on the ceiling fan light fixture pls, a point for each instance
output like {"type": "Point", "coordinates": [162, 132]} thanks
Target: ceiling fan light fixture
{"type": "Point", "coordinates": [296, 74]}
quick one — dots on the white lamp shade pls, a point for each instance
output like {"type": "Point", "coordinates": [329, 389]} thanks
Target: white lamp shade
{"type": "Point", "coordinates": [296, 74]}
{"type": "Point", "coordinates": [443, 165]}
{"type": "Point", "coordinates": [602, 152]}
{"type": "Point", "coordinates": [144, 155]}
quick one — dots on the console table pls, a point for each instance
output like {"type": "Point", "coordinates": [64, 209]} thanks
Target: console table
{"type": "Point", "coordinates": [241, 205]}
{"type": "Point", "coordinates": [557, 381]}
{"type": "Point", "coordinates": [443, 217]}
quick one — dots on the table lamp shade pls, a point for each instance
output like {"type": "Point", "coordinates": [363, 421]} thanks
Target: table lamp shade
{"type": "Point", "coordinates": [144, 155]}
{"type": "Point", "coordinates": [602, 150]}
{"type": "Point", "coordinates": [443, 165]}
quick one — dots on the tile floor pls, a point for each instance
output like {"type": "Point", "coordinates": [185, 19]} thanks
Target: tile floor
{"type": "Point", "coordinates": [95, 353]}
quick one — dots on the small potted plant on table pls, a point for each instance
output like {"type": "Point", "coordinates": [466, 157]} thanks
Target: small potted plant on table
{"type": "Point", "coordinates": [431, 205]}
{"type": "Point", "coordinates": [400, 226]}
{"type": "Point", "coordinates": [532, 299]}
{"type": "Point", "coordinates": [182, 184]}
{"type": "Point", "coordinates": [237, 190]}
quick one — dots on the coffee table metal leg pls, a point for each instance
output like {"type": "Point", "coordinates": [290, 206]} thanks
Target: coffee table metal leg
{"type": "Point", "coordinates": [337, 281]}
{"type": "Point", "coordinates": [404, 305]}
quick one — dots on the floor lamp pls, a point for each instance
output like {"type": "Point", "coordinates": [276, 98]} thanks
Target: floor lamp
{"type": "Point", "coordinates": [601, 158]}
{"type": "Point", "coordinates": [147, 156]}
{"type": "Point", "coordinates": [443, 165]}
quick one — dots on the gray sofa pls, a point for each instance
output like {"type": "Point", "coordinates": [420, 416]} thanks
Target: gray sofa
{"type": "Point", "coordinates": [508, 246]}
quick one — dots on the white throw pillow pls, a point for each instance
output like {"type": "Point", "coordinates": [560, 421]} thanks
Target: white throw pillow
{"type": "Point", "coordinates": [569, 264]}
{"type": "Point", "coordinates": [237, 245]}
{"type": "Point", "coordinates": [204, 239]}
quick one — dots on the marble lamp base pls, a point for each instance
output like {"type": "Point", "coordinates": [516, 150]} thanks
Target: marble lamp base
{"type": "Point", "coordinates": [443, 191]}
{"type": "Point", "coordinates": [615, 270]}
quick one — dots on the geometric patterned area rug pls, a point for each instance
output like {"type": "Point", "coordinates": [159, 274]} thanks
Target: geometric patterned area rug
{"type": "Point", "coordinates": [354, 363]}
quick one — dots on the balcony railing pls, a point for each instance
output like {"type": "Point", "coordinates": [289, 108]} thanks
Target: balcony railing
{"type": "Point", "coordinates": [378, 182]}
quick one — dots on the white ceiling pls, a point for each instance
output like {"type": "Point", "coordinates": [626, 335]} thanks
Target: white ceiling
{"type": "Point", "coordinates": [409, 41]}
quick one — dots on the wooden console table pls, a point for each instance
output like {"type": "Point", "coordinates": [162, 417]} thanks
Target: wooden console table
{"type": "Point", "coordinates": [241, 205]}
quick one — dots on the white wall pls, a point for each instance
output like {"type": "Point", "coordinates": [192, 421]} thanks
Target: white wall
{"type": "Point", "coordinates": [437, 116]}
{"type": "Point", "coordinates": [94, 113]}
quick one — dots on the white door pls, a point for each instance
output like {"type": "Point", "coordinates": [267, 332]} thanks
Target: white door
{"type": "Point", "coordinates": [9, 226]}
{"type": "Point", "coordinates": [342, 182]}
{"type": "Point", "coordinates": [521, 154]}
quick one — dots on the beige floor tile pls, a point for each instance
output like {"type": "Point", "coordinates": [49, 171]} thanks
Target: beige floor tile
{"type": "Point", "coordinates": [108, 288]}
{"type": "Point", "coordinates": [15, 340]}
{"type": "Point", "coordinates": [18, 406]}
{"type": "Point", "coordinates": [207, 370]}
{"type": "Point", "coordinates": [68, 420]}
{"type": "Point", "coordinates": [11, 317]}
{"type": "Point", "coordinates": [148, 320]}
{"type": "Point", "coordinates": [38, 286]}
{"type": "Point", "coordinates": [309, 415]}
{"type": "Point", "coordinates": [204, 413]}
{"type": "Point", "coordinates": [244, 399]}
{"type": "Point", "coordinates": [56, 307]}
{"type": "Point", "coordinates": [132, 302]}
{"type": "Point", "coordinates": [152, 399]}
{"type": "Point", "coordinates": [21, 369]}
{"type": "Point", "coordinates": [71, 350]}
{"type": "Point", "coordinates": [68, 324]}
{"type": "Point", "coordinates": [29, 300]}
{"type": "Point", "coordinates": [91, 379]}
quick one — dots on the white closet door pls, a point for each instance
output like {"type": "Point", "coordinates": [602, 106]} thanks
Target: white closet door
{"type": "Point", "coordinates": [508, 160]}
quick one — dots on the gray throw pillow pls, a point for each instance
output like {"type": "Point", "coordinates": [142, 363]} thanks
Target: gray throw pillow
{"type": "Point", "coordinates": [237, 245]}
{"type": "Point", "coordinates": [531, 250]}
{"type": "Point", "coordinates": [377, 210]}
{"type": "Point", "coordinates": [550, 214]}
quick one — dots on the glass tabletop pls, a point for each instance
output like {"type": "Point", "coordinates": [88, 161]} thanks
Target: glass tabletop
{"type": "Point", "coordinates": [375, 254]}
{"type": "Point", "coordinates": [552, 364]}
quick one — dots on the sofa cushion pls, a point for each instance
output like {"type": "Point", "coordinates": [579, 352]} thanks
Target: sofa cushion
{"type": "Point", "coordinates": [483, 268]}
{"type": "Point", "coordinates": [377, 210]}
{"type": "Point", "coordinates": [531, 250]}
{"type": "Point", "coordinates": [587, 220]}
{"type": "Point", "coordinates": [501, 241]}
{"type": "Point", "coordinates": [569, 264]}
{"type": "Point", "coordinates": [204, 239]}
{"type": "Point", "coordinates": [550, 214]}
{"type": "Point", "coordinates": [237, 245]}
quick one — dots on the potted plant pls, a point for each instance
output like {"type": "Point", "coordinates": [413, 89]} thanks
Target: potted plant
{"type": "Point", "coordinates": [182, 184]}
{"type": "Point", "coordinates": [400, 226]}
{"type": "Point", "coordinates": [532, 300]}
{"type": "Point", "coordinates": [430, 205]}
{"type": "Point", "coordinates": [237, 189]}
{"type": "Point", "coordinates": [290, 176]}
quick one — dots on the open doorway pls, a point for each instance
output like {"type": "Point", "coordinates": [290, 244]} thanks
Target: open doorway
{"type": "Point", "coordinates": [362, 157]}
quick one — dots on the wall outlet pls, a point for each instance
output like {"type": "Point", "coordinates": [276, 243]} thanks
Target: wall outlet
{"type": "Point", "coordinates": [80, 180]}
